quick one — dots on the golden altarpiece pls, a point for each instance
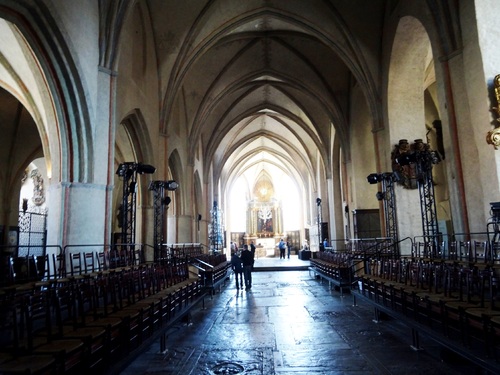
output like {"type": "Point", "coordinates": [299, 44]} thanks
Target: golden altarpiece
{"type": "Point", "coordinates": [264, 220]}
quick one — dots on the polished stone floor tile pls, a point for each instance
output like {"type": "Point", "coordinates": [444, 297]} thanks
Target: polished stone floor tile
{"type": "Point", "coordinates": [289, 323]}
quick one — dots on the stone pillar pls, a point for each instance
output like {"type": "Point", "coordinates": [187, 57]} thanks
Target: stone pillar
{"type": "Point", "coordinates": [81, 211]}
{"type": "Point", "coordinates": [183, 223]}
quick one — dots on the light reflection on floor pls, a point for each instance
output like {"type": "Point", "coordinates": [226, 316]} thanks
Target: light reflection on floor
{"type": "Point", "coordinates": [288, 323]}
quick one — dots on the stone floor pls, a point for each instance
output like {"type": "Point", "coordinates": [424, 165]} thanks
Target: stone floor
{"type": "Point", "coordinates": [290, 323]}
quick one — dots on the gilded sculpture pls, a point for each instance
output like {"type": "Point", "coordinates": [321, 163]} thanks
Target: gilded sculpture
{"type": "Point", "coordinates": [493, 136]}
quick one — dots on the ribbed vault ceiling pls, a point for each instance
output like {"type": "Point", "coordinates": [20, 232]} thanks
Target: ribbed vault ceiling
{"type": "Point", "coordinates": [266, 78]}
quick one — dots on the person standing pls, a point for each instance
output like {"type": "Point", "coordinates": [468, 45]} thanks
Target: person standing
{"type": "Point", "coordinates": [247, 260]}
{"type": "Point", "coordinates": [288, 248]}
{"type": "Point", "coordinates": [237, 267]}
{"type": "Point", "coordinates": [252, 250]}
{"type": "Point", "coordinates": [281, 247]}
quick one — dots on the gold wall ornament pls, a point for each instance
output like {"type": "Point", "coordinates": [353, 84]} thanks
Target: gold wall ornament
{"type": "Point", "coordinates": [411, 161]}
{"type": "Point", "coordinates": [493, 138]}
{"type": "Point", "coordinates": [406, 173]}
{"type": "Point", "coordinates": [496, 82]}
{"type": "Point", "coordinates": [263, 189]}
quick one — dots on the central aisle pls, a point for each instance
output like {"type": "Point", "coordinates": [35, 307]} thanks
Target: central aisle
{"type": "Point", "coordinates": [289, 323]}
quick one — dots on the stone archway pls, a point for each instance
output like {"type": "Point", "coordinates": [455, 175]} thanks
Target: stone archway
{"type": "Point", "coordinates": [411, 53]}
{"type": "Point", "coordinates": [132, 144]}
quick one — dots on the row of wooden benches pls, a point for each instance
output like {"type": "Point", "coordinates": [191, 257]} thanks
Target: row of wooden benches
{"type": "Point", "coordinates": [68, 263]}
{"type": "Point", "coordinates": [335, 267]}
{"type": "Point", "coordinates": [212, 268]}
{"type": "Point", "coordinates": [456, 303]}
{"type": "Point", "coordinates": [91, 322]}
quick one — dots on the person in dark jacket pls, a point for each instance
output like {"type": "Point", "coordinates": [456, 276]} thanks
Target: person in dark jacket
{"type": "Point", "coordinates": [237, 267]}
{"type": "Point", "coordinates": [252, 248]}
{"type": "Point", "coordinates": [247, 259]}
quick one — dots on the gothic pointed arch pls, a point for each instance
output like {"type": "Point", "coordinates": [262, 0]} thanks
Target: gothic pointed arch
{"type": "Point", "coordinates": [133, 144]}
{"type": "Point", "coordinates": [74, 134]}
{"type": "Point", "coordinates": [175, 173]}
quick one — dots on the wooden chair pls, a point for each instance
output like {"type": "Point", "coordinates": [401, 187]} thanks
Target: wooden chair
{"type": "Point", "coordinates": [480, 251]}
{"type": "Point", "coordinates": [13, 356]}
{"type": "Point", "coordinates": [58, 274]}
{"type": "Point", "coordinates": [59, 265]}
{"type": "Point", "coordinates": [131, 314]}
{"type": "Point", "coordinates": [495, 252]}
{"type": "Point", "coordinates": [42, 267]}
{"type": "Point", "coordinates": [469, 289]}
{"type": "Point", "coordinates": [71, 324]}
{"type": "Point", "coordinates": [44, 279]}
{"type": "Point", "coordinates": [77, 269]}
{"type": "Point", "coordinates": [25, 269]}
{"type": "Point", "coordinates": [89, 264]}
{"type": "Point", "coordinates": [464, 251]}
{"type": "Point", "coordinates": [102, 259]}
{"type": "Point", "coordinates": [432, 300]}
{"type": "Point", "coordinates": [137, 257]}
{"type": "Point", "coordinates": [41, 338]}
{"type": "Point", "coordinates": [478, 319]}
{"type": "Point", "coordinates": [452, 251]}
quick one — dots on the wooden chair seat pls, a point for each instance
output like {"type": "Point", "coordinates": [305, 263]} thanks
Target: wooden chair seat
{"type": "Point", "coordinates": [70, 352]}
{"type": "Point", "coordinates": [495, 322]}
{"type": "Point", "coordinates": [29, 364]}
{"type": "Point", "coordinates": [460, 305]}
{"type": "Point", "coordinates": [480, 312]}
{"type": "Point", "coordinates": [411, 290]}
{"type": "Point", "coordinates": [113, 327]}
{"type": "Point", "coordinates": [88, 332]}
{"type": "Point", "coordinates": [43, 344]}
{"type": "Point", "coordinates": [5, 357]}
{"type": "Point", "coordinates": [395, 284]}
{"type": "Point", "coordinates": [126, 313]}
{"type": "Point", "coordinates": [438, 298]}
{"type": "Point", "coordinates": [107, 321]}
{"type": "Point", "coordinates": [95, 340]}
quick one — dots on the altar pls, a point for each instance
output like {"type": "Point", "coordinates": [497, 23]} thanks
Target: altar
{"type": "Point", "coordinates": [266, 247]}
{"type": "Point", "coordinates": [264, 218]}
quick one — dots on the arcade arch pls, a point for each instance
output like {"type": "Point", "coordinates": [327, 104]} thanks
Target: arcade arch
{"type": "Point", "coordinates": [412, 109]}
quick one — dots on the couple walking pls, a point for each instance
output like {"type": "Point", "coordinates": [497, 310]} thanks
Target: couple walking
{"type": "Point", "coordinates": [282, 246]}
{"type": "Point", "coordinates": [242, 267]}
